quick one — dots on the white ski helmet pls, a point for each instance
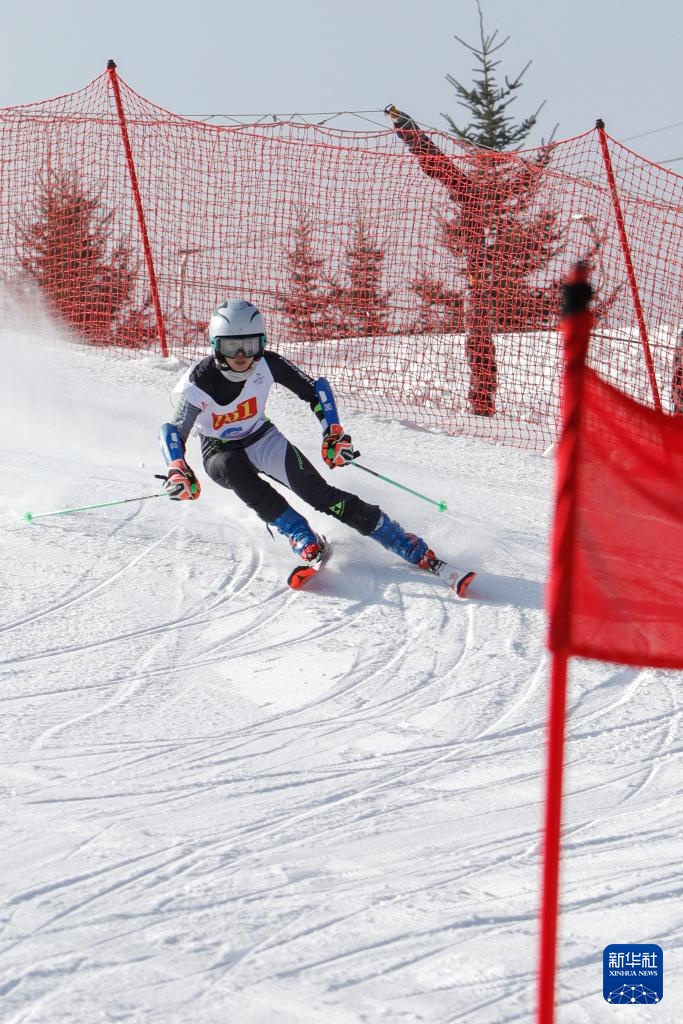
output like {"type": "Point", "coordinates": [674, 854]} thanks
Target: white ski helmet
{"type": "Point", "coordinates": [236, 326]}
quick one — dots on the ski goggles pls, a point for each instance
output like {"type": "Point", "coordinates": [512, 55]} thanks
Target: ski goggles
{"type": "Point", "coordinates": [250, 345]}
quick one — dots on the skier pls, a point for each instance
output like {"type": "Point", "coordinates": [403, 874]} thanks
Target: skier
{"type": "Point", "coordinates": [677, 377]}
{"type": "Point", "coordinates": [224, 395]}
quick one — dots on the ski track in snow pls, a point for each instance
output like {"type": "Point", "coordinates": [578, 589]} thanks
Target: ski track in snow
{"type": "Point", "coordinates": [225, 800]}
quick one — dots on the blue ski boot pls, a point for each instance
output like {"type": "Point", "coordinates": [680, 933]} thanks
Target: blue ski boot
{"type": "Point", "coordinates": [306, 544]}
{"type": "Point", "coordinates": [393, 537]}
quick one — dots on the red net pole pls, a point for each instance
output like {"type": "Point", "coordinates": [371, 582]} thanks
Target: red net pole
{"type": "Point", "coordinates": [631, 274]}
{"type": "Point", "coordinates": [576, 328]}
{"type": "Point", "coordinates": [149, 262]}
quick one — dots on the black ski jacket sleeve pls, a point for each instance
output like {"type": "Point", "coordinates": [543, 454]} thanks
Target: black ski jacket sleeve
{"type": "Point", "coordinates": [295, 380]}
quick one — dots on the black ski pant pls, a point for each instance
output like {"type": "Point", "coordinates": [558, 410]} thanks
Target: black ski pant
{"type": "Point", "coordinates": [241, 466]}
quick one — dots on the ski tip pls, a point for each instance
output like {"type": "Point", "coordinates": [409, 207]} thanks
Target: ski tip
{"type": "Point", "coordinates": [28, 517]}
{"type": "Point", "coordinates": [463, 583]}
{"type": "Point", "coordinates": [300, 576]}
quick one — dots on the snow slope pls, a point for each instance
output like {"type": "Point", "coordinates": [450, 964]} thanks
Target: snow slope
{"type": "Point", "coordinates": [224, 801]}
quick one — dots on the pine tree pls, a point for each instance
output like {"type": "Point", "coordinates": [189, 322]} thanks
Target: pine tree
{"type": "Point", "coordinates": [361, 305]}
{"type": "Point", "coordinates": [498, 236]}
{"type": "Point", "coordinates": [306, 304]}
{"type": "Point", "coordinates": [487, 102]}
{"type": "Point", "coordinates": [441, 310]}
{"type": "Point", "coordinates": [70, 251]}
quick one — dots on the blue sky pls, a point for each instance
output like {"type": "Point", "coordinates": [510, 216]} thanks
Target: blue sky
{"type": "Point", "coordinates": [615, 59]}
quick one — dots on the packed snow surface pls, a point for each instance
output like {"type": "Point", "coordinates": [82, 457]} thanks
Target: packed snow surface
{"type": "Point", "coordinates": [226, 801]}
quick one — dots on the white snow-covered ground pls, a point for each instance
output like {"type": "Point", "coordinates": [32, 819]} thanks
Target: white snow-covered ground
{"type": "Point", "coordinates": [224, 801]}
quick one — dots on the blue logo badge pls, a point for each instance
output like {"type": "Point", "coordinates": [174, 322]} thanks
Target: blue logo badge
{"type": "Point", "coordinates": [633, 973]}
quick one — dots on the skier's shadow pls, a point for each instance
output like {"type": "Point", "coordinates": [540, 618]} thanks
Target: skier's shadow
{"type": "Point", "coordinates": [495, 589]}
{"type": "Point", "coordinates": [488, 588]}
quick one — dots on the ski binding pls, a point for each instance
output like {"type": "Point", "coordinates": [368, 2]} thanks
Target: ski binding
{"type": "Point", "coordinates": [454, 578]}
{"type": "Point", "coordinates": [305, 572]}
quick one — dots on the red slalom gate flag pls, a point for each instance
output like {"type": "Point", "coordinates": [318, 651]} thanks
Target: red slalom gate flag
{"type": "Point", "coordinates": [625, 593]}
{"type": "Point", "coordinates": [616, 587]}
{"type": "Point", "coordinates": [616, 583]}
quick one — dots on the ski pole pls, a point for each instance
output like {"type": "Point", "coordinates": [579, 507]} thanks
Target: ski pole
{"type": "Point", "coordinates": [329, 407]}
{"type": "Point", "coordinates": [441, 505]}
{"type": "Point", "coordinates": [29, 516]}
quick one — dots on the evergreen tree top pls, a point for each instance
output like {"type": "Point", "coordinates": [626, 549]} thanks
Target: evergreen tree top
{"type": "Point", "coordinates": [491, 126]}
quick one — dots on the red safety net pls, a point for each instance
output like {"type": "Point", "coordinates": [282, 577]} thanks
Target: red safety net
{"type": "Point", "coordinates": [421, 276]}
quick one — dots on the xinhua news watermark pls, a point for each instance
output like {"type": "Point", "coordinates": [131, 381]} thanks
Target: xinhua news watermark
{"type": "Point", "coordinates": [633, 973]}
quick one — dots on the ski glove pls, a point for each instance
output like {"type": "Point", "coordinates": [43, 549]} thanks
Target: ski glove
{"type": "Point", "coordinates": [181, 483]}
{"type": "Point", "coordinates": [338, 447]}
